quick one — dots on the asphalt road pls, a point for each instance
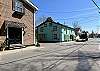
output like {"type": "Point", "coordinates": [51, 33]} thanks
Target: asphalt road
{"type": "Point", "coordinates": [66, 56]}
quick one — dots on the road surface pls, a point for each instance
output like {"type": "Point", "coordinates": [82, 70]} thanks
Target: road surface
{"type": "Point", "coordinates": [66, 56]}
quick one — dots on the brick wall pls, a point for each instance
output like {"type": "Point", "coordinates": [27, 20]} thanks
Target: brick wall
{"type": "Point", "coordinates": [27, 19]}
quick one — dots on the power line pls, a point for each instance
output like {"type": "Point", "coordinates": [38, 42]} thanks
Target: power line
{"type": "Point", "coordinates": [93, 8]}
{"type": "Point", "coordinates": [74, 18]}
{"type": "Point", "coordinates": [80, 15]}
{"type": "Point", "coordinates": [77, 16]}
{"type": "Point", "coordinates": [95, 4]}
{"type": "Point", "coordinates": [89, 20]}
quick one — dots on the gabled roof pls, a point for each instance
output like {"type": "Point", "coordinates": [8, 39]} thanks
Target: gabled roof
{"type": "Point", "coordinates": [31, 4]}
{"type": "Point", "coordinates": [49, 19]}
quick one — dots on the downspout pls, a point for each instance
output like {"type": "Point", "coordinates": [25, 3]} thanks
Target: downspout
{"type": "Point", "coordinates": [34, 28]}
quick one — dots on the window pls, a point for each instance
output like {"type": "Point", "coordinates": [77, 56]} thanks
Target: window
{"type": "Point", "coordinates": [66, 31]}
{"type": "Point", "coordinates": [54, 28]}
{"type": "Point", "coordinates": [18, 6]}
{"type": "Point", "coordinates": [71, 31]}
{"type": "Point", "coordinates": [42, 36]}
{"type": "Point", "coordinates": [41, 29]}
{"type": "Point", "coordinates": [54, 36]}
{"type": "Point", "coordinates": [45, 25]}
{"type": "Point", "coordinates": [50, 23]}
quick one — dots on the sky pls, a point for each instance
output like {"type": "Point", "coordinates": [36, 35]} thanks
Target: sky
{"type": "Point", "coordinates": [67, 12]}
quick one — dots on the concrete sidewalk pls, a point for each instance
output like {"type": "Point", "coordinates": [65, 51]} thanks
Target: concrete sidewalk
{"type": "Point", "coordinates": [18, 54]}
{"type": "Point", "coordinates": [19, 50]}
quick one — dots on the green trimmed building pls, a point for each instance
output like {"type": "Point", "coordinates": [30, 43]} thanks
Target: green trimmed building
{"type": "Point", "coordinates": [50, 31]}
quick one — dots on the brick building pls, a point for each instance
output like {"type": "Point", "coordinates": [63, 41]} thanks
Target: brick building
{"type": "Point", "coordinates": [17, 22]}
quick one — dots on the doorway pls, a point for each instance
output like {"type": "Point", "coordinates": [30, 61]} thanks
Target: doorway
{"type": "Point", "coordinates": [15, 35]}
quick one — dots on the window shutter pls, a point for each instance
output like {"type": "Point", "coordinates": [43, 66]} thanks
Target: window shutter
{"type": "Point", "coordinates": [13, 4]}
{"type": "Point", "coordinates": [23, 8]}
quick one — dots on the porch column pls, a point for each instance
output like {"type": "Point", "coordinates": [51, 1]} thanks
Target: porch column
{"type": "Point", "coordinates": [34, 28]}
{"type": "Point", "coordinates": [7, 36]}
{"type": "Point", "coordinates": [22, 35]}
{"type": "Point", "coordinates": [7, 33]}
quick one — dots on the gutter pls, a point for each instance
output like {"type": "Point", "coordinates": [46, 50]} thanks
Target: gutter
{"type": "Point", "coordinates": [31, 4]}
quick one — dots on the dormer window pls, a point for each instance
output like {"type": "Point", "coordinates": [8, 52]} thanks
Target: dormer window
{"type": "Point", "coordinates": [18, 7]}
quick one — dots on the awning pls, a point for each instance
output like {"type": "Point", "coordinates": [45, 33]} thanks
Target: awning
{"type": "Point", "coordinates": [14, 24]}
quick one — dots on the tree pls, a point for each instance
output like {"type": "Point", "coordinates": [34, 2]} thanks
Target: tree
{"type": "Point", "coordinates": [77, 27]}
{"type": "Point", "coordinates": [40, 20]}
{"type": "Point", "coordinates": [92, 34]}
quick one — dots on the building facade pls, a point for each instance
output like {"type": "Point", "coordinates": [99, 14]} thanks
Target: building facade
{"type": "Point", "coordinates": [50, 31]}
{"type": "Point", "coordinates": [17, 22]}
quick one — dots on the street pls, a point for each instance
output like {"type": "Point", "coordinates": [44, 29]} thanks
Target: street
{"type": "Point", "coordinates": [65, 56]}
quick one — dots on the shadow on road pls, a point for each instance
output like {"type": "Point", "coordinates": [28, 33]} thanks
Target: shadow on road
{"type": "Point", "coordinates": [39, 64]}
{"type": "Point", "coordinates": [83, 64]}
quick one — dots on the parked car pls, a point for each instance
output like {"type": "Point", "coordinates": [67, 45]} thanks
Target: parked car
{"type": "Point", "coordinates": [83, 36]}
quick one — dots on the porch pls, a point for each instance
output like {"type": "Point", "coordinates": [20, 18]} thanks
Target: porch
{"type": "Point", "coordinates": [13, 33]}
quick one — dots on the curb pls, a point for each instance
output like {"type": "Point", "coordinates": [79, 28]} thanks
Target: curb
{"type": "Point", "coordinates": [19, 50]}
